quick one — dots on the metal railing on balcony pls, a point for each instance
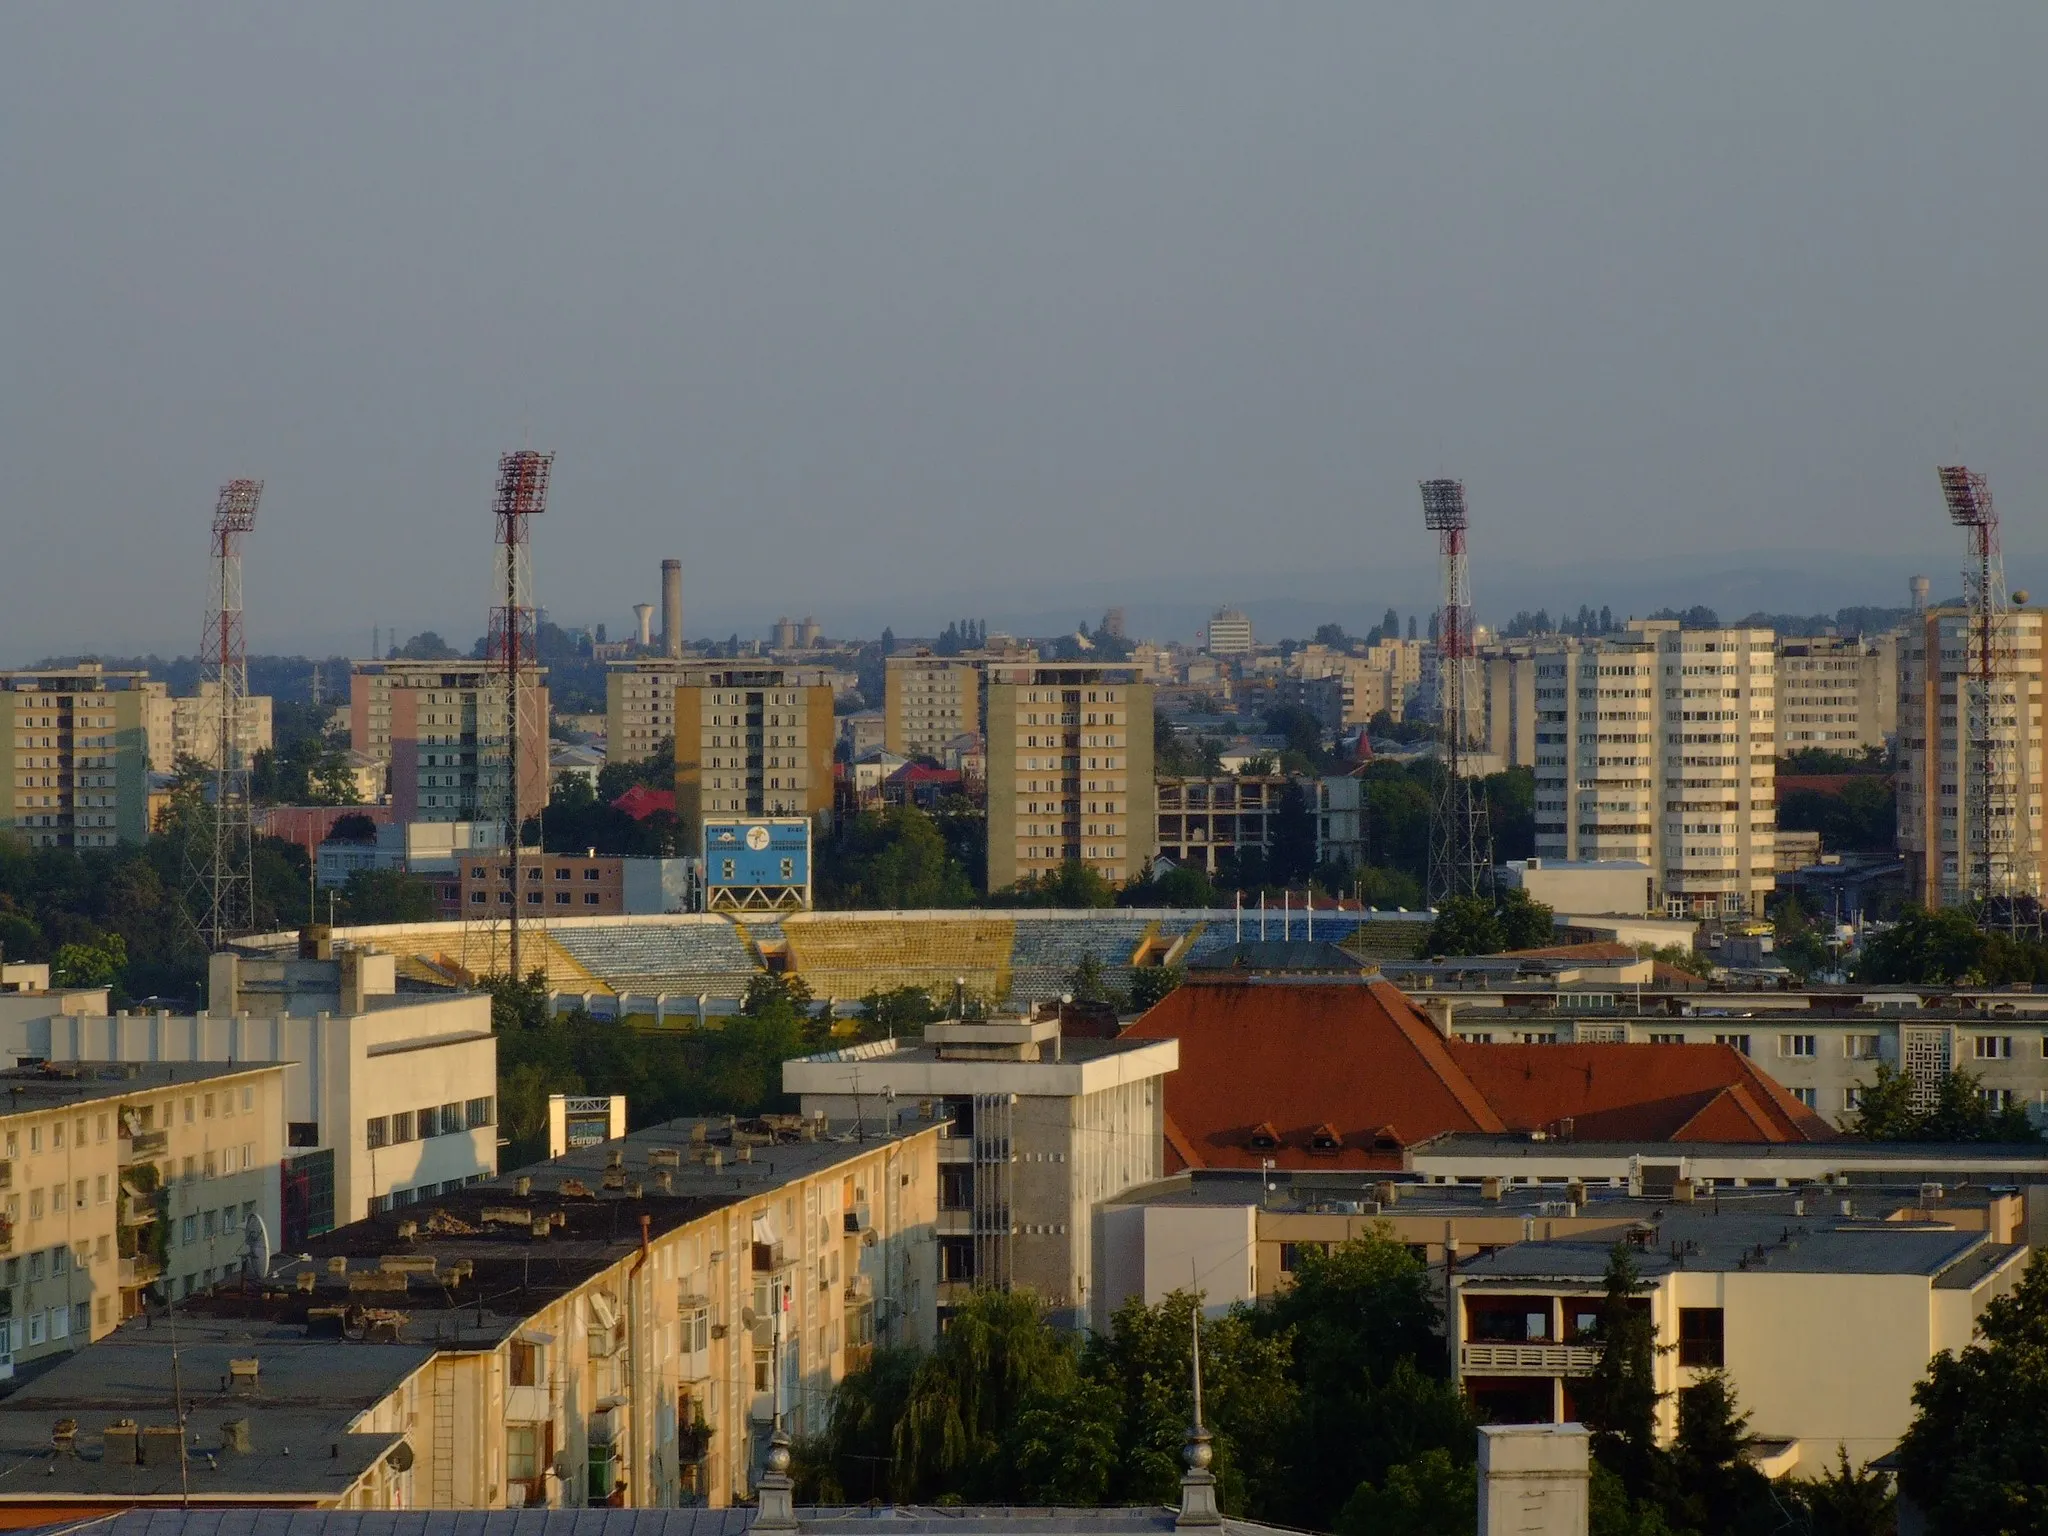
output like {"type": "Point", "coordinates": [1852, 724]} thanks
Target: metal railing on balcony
{"type": "Point", "coordinates": [1528, 1359]}
{"type": "Point", "coordinates": [141, 1270]}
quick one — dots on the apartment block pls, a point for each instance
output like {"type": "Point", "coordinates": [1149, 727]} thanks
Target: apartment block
{"type": "Point", "coordinates": [1069, 771]}
{"type": "Point", "coordinates": [76, 741]}
{"type": "Point", "coordinates": [383, 1098]}
{"type": "Point", "coordinates": [442, 729]}
{"type": "Point", "coordinates": [1821, 1313]}
{"type": "Point", "coordinates": [1659, 745]}
{"type": "Point", "coordinates": [753, 741]}
{"type": "Point", "coordinates": [640, 705]}
{"type": "Point", "coordinates": [190, 727]}
{"type": "Point", "coordinates": [622, 1326]}
{"type": "Point", "coordinates": [1837, 692]}
{"type": "Point", "coordinates": [1040, 1130]}
{"type": "Point", "coordinates": [928, 701]}
{"type": "Point", "coordinates": [1957, 844]}
{"type": "Point", "coordinates": [120, 1182]}
{"type": "Point", "coordinates": [1229, 634]}
{"type": "Point", "coordinates": [567, 885]}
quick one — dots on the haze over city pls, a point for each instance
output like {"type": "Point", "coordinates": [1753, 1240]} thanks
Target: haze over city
{"type": "Point", "coordinates": [891, 313]}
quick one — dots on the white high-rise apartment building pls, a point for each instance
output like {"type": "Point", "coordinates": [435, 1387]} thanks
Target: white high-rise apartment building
{"type": "Point", "coordinates": [1838, 692]}
{"type": "Point", "coordinates": [1942, 810]}
{"type": "Point", "coordinates": [1658, 745]}
{"type": "Point", "coordinates": [1230, 633]}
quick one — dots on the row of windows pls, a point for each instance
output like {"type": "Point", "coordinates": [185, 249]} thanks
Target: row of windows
{"type": "Point", "coordinates": [434, 1120]}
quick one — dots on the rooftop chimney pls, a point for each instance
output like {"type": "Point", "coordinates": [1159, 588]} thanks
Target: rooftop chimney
{"type": "Point", "coordinates": [672, 608]}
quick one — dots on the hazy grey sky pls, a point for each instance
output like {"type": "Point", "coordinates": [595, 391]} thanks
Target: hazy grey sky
{"type": "Point", "coordinates": [905, 310]}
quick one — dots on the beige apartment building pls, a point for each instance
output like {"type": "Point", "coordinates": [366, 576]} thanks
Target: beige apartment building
{"type": "Point", "coordinates": [386, 1097]}
{"type": "Point", "coordinates": [640, 705]}
{"type": "Point", "coordinates": [1657, 745]}
{"type": "Point", "coordinates": [1955, 845]}
{"type": "Point", "coordinates": [190, 727]}
{"type": "Point", "coordinates": [1069, 771]}
{"type": "Point", "coordinates": [440, 727]}
{"type": "Point", "coordinates": [619, 1326]}
{"type": "Point", "coordinates": [928, 701]}
{"type": "Point", "coordinates": [1837, 692]}
{"type": "Point", "coordinates": [753, 741]}
{"type": "Point", "coordinates": [76, 741]}
{"type": "Point", "coordinates": [118, 1178]}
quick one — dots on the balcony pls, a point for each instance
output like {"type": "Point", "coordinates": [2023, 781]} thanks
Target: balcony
{"type": "Point", "coordinates": [1527, 1359]}
{"type": "Point", "coordinates": [143, 1146]}
{"type": "Point", "coordinates": [139, 1271]}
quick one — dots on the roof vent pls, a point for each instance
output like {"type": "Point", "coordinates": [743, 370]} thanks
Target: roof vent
{"type": "Point", "coordinates": [522, 1186]}
{"type": "Point", "coordinates": [160, 1444]}
{"type": "Point", "coordinates": [119, 1441]}
{"type": "Point", "coordinates": [242, 1373]}
{"type": "Point", "coordinates": [1264, 1138]}
{"type": "Point", "coordinates": [1489, 1188]}
{"type": "Point", "coordinates": [64, 1437]}
{"type": "Point", "coordinates": [234, 1436]}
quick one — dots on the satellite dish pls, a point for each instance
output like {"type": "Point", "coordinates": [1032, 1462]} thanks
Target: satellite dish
{"type": "Point", "coordinates": [255, 1246]}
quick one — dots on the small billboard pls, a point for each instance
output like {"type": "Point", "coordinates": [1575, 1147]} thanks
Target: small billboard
{"type": "Point", "coordinates": [757, 864]}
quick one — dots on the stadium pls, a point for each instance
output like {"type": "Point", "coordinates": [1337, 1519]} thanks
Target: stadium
{"type": "Point", "coordinates": [684, 968]}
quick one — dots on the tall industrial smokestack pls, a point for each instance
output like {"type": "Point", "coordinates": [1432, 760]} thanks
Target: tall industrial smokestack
{"type": "Point", "coordinates": [644, 614]}
{"type": "Point", "coordinates": [1918, 586]}
{"type": "Point", "coordinates": [672, 608]}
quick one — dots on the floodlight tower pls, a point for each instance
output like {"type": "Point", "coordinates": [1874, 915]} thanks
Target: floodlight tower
{"type": "Point", "coordinates": [514, 638]}
{"type": "Point", "coordinates": [229, 879]}
{"type": "Point", "coordinates": [1461, 838]}
{"type": "Point", "coordinates": [1996, 838]}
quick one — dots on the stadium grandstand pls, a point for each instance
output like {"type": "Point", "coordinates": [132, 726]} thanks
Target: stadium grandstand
{"type": "Point", "coordinates": [689, 967]}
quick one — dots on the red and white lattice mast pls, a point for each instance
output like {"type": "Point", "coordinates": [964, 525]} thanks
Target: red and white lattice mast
{"type": "Point", "coordinates": [230, 880]}
{"type": "Point", "coordinates": [1461, 840]}
{"type": "Point", "coordinates": [1995, 838]}
{"type": "Point", "coordinates": [514, 643]}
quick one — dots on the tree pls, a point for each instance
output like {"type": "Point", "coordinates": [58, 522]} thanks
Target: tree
{"type": "Point", "coordinates": [777, 994]}
{"type": "Point", "coordinates": [1711, 1487]}
{"type": "Point", "coordinates": [1291, 853]}
{"type": "Point", "coordinates": [1524, 922]}
{"type": "Point", "coordinates": [1369, 1368]}
{"type": "Point", "coordinates": [1072, 886]}
{"type": "Point", "coordinates": [388, 896]}
{"type": "Point", "coordinates": [1465, 925]}
{"type": "Point", "coordinates": [997, 1357]}
{"type": "Point", "coordinates": [355, 827]}
{"type": "Point", "coordinates": [1152, 984]}
{"type": "Point", "coordinates": [1974, 1458]}
{"type": "Point", "coordinates": [1844, 1501]}
{"type": "Point", "coordinates": [1924, 949]}
{"type": "Point", "coordinates": [1436, 1494]}
{"type": "Point", "coordinates": [1088, 982]}
{"type": "Point", "coordinates": [900, 1011]}
{"type": "Point", "coordinates": [1333, 636]}
{"type": "Point", "coordinates": [891, 859]}
{"type": "Point", "coordinates": [94, 964]}
{"type": "Point", "coordinates": [1618, 1401]}
{"type": "Point", "coordinates": [1959, 1111]}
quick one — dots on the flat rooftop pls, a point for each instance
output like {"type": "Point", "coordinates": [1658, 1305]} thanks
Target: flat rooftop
{"type": "Point", "coordinates": [461, 1272]}
{"type": "Point", "coordinates": [24, 1089]}
{"type": "Point", "coordinates": [2012, 1159]}
{"type": "Point", "coordinates": [897, 1520]}
{"type": "Point", "coordinates": [1699, 1239]}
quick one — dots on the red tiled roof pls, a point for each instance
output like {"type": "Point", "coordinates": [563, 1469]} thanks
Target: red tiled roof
{"type": "Point", "coordinates": [1824, 783]}
{"type": "Point", "coordinates": [1360, 1059]}
{"type": "Point", "coordinates": [640, 802]}
{"type": "Point", "coordinates": [1362, 1064]}
{"type": "Point", "coordinates": [925, 773]}
{"type": "Point", "coordinates": [1637, 1092]}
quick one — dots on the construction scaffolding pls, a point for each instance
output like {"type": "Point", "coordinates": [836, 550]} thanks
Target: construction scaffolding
{"type": "Point", "coordinates": [1461, 831]}
{"type": "Point", "coordinates": [220, 850]}
{"type": "Point", "coordinates": [1994, 833]}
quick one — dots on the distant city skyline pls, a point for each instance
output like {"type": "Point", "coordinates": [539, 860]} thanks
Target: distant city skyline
{"type": "Point", "coordinates": [890, 313]}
